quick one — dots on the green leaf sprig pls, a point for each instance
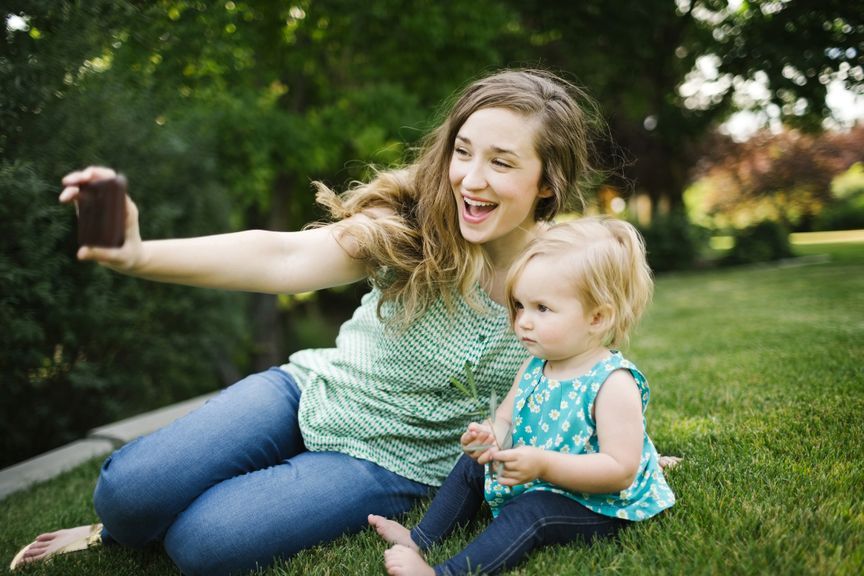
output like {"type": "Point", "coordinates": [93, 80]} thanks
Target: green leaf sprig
{"type": "Point", "coordinates": [469, 388]}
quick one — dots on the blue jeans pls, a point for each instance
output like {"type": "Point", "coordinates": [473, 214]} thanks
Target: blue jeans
{"type": "Point", "coordinates": [528, 522]}
{"type": "Point", "coordinates": [231, 486]}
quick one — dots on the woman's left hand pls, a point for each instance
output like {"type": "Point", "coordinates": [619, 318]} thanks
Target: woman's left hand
{"type": "Point", "coordinates": [519, 465]}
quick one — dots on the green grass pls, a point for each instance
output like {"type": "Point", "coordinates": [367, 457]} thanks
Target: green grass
{"type": "Point", "coordinates": [757, 381]}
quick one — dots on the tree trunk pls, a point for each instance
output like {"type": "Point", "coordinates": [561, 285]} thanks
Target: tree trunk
{"type": "Point", "coordinates": [269, 324]}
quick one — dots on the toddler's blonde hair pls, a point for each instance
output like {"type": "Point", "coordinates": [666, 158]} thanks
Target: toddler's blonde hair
{"type": "Point", "coordinates": [604, 260]}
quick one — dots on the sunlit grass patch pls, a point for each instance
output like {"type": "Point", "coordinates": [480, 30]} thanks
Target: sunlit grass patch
{"type": "Point", "coordinates": [756, 380]}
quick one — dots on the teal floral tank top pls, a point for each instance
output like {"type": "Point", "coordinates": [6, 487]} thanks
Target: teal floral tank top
{"type": "Point", "coordinates": [558, 415]}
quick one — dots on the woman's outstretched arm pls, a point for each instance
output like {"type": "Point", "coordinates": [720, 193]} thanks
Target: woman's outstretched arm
{"type": "Point", "coordinates": [252, 260]}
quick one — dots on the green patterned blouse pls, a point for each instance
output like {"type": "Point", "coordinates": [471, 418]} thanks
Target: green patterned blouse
{"type": "Point", "coordinates": [387, 397]}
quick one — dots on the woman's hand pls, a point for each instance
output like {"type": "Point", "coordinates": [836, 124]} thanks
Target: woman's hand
{"type": "Point", "coordinates": [263, 261]}
{"type": "Point", "coordinates": [519, 465]}
{"type": "Point", "coordinates": [479, 442]}
{"type": "Point", "coordinates": [128, 256]}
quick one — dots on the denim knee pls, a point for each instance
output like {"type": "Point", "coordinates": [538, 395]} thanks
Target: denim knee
{"type": "Point", "coordinates": [555, 519]}
{"type": "Point", "coordinates": [130, 507]}
{"type": "Point", "coordinates": [472, 473]}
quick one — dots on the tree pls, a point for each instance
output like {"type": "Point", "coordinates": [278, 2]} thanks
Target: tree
{"type": "Point", "coordinates": [313, 90]}
{"type": "Point", "coordinates": [666, 73]}
{"type": "Point", "coordinates": [82, 346]}
{"type": "Point", "coordinates": [786, 176]}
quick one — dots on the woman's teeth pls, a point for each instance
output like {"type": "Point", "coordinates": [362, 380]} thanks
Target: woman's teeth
{"type": "Point", "coordinates": [471, 202]}
{"type": "Point", "coordinates": [477, 208]}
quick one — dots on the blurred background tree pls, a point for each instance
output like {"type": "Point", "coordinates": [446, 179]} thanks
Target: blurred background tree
{"type": "Point", "coordinates": [792, 177]}
{"type": "Point", "coordinates": [222, 113]}
{"type": "Point", "coordinates": [670, 74]}
{"type": "Point", "coordinates": [82, 346]}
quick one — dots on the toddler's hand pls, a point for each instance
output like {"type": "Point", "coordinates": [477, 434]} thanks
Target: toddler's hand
{"type": "Point", "coordinates": [478, 442]}
{"type": "Point", "coordinates": [518, 465]}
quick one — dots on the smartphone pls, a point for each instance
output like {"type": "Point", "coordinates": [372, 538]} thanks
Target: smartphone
{"type": "Point", "coordinates": [102, 213]}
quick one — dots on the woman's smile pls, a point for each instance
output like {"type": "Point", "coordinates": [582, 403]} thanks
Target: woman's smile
{"type": "Point", "coordinates": [476, 211]}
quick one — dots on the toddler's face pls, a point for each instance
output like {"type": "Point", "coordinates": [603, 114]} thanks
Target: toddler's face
{"type": "Point", "coordinates": [551, 321]}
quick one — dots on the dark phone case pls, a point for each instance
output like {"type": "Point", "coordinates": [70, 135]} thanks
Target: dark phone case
{"type": "Point", "coordinates": [102, 213]}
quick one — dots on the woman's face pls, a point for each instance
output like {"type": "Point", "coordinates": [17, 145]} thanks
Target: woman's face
{"type": "Point", "coordinates": [495, 174]}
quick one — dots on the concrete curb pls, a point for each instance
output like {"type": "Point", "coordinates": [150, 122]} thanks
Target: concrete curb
{"type": "Point", "coordinates": [50, 464]}
{"type": "Point", "coordinates": [99, 442]}
{"type": "Point", "coordinates": [127, 430]}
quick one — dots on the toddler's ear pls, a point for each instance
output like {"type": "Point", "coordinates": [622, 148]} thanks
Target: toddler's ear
{"type": "Point", "coordinates": [602, 319]}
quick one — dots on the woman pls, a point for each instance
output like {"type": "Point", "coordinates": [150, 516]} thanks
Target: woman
{"type": "Point", "coordinates": [302, 453]}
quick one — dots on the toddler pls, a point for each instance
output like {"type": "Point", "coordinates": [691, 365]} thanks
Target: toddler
{"type": "Point", "coordinates": [581, 465]}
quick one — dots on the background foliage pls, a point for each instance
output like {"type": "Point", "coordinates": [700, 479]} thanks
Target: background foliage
{"type": "Point", "coordinates": [222, 112]}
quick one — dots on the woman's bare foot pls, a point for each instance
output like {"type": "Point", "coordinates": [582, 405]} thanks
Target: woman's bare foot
{"type": "Point", "coordinates": [61, 541]}
{"type": "Point", "coordinates": [403, 561]}
{"type": "Point", "coordinates": [668, 462]}
{"type": "Point", "coordinates": [392, 531]}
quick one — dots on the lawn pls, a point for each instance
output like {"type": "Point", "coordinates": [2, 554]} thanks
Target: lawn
{"type": "Point", "coordinates": [756, 380]}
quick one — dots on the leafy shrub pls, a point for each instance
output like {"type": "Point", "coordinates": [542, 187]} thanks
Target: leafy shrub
{"type": "Point", "coordinates": [673, 243]}
{"type": "Point", "coordinates": [846, 212]}
{"type": "Point", "coordinates": [763, 242]}
{"type": "Point", "coordinates": [845, 215]}
{"type": "Point", "coordinates": [83, 346]}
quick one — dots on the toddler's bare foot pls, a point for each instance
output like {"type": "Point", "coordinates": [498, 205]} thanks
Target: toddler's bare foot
{"type": "Point", "coordinates": [59, 542]}
{"type": "Point", "coordinates": [403, 561]}
{"type": "Point", "coordinates": [392, 531]}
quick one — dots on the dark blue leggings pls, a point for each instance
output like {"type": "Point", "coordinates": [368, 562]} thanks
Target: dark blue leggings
{"type": "Point", "coordinates": [527, 522]}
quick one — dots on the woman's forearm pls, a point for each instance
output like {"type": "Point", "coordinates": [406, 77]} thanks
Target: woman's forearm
{"type": "Point", "coordinates": [252, 261]}
{"type": "Point", "coordinates": [245, 261]}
